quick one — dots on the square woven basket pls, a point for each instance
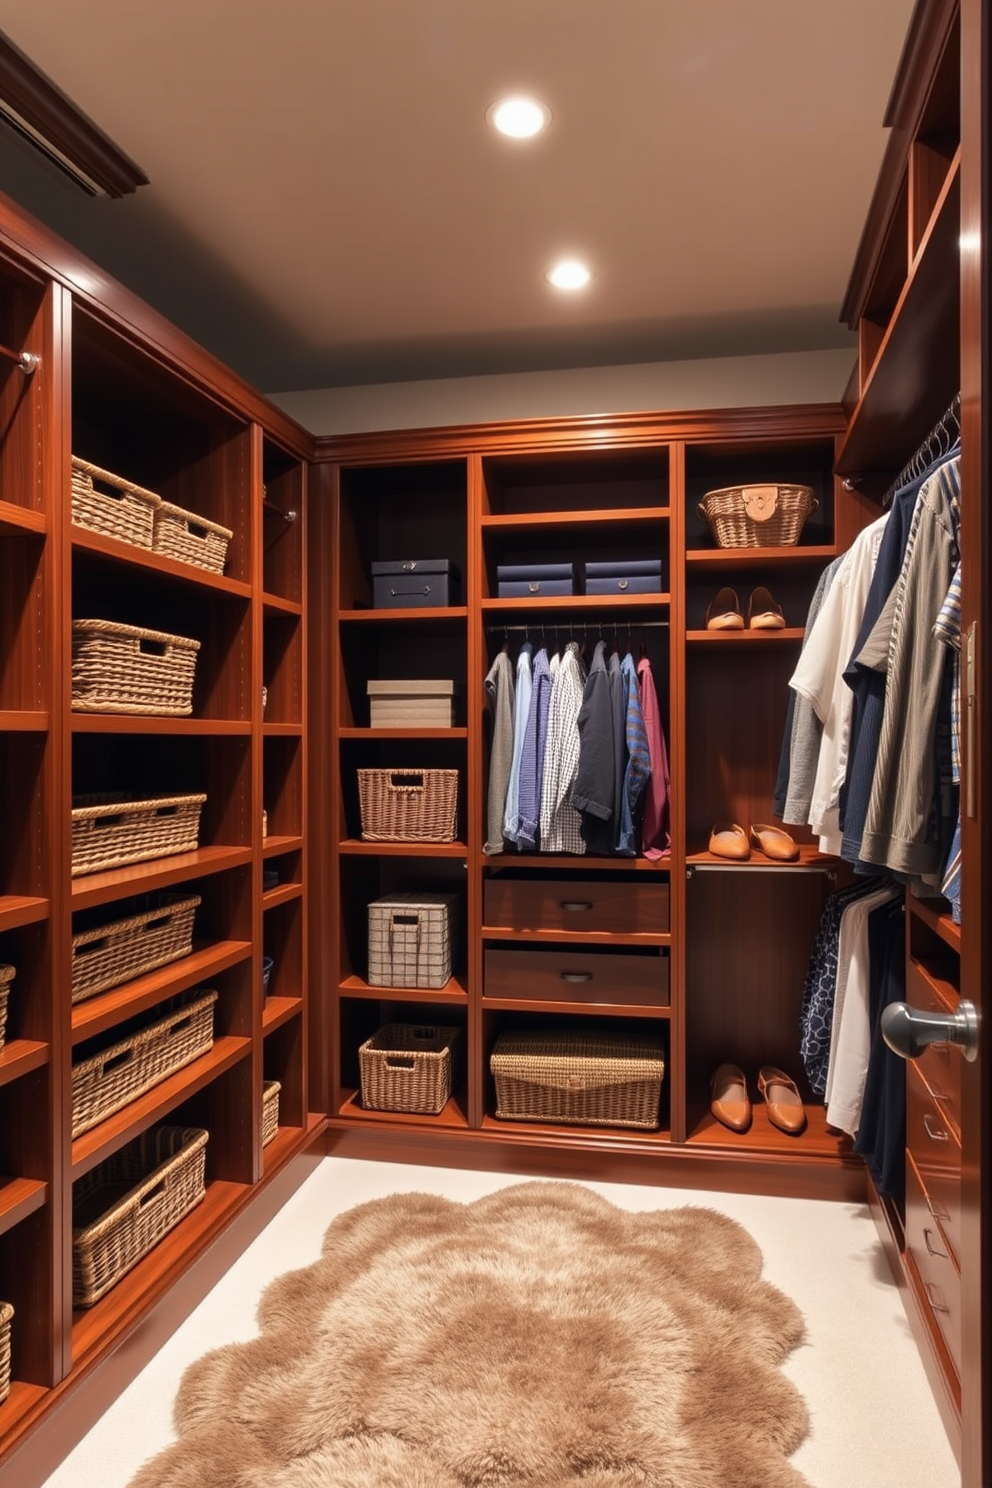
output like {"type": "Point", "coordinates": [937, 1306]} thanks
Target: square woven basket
{"type": "Point", "coordinates": [7, 974]}
{"type": "Point", "coordinates": [112, 1078]}
{"type": "Point", "coordinates": [769, 516]}
{"type": "Point", "coordinates": [408, 805]}
{"type": "Point", "coordinates": [104, 502]}
{"type": "Point", "coordinates": [578, 1077]}
{"type": "Point", "coordinates": [410, 940]}
{"type": "Point", "coordinates": [128, 669]}
{"type": "Point", "coordinates": [113, 829]}
{"type": "Point", "coordinates": [407, 1067]}
{"type": "Point", "coordinates": [270, 1110]}
{"type": "Point", "coordinates": [124, 1206]}
{"type": "Point", "coordinates": [189, 538]}
{"type": "Point", "coordinates": [117, 952]}
{"type": "Point", "coordinates": [6, 1314]}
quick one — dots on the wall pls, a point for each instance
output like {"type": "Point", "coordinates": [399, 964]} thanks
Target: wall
{"type": "Point", "coordinates": [724, 382]}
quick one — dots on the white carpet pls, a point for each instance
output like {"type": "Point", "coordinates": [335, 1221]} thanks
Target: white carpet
{"type": "Point", "coordinates": [874, 1420]}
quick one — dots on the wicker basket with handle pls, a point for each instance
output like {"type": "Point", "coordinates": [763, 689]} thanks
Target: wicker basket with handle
{"type": "Point", "coordinates": [6, 1314]}
{"type": "Point", "coordinates": [408, 805]}
{"type": "Point", "coordinates": [768, 516]}
{"type": "Point", "coordinates": [7, 975]}
{"type": "Point", "coordinates": [189, 538]}
{"type": "Point", "coordinates": [407, 1067]}
{"type": "Point", "coordinates": [105, 503]}
{"type": "Point", "coordinates": [112, 829]}
{"type": "Point", "coordinates": [579, 1077]}
{"type": "Point", "coordinates": [128, 669]}
{"type": "Point", "coordinates": [110, 954]}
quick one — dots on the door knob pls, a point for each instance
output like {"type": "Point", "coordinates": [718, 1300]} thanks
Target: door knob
{"type": "Point", "coordinates": [908, 1030]}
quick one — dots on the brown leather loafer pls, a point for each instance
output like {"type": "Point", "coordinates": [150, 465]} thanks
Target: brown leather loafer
{"type": "Point", "coordinates": [764, 612]}
{"type": "Point", "coordinates": [724, 613]}
{"type": "Point", "coordinates": [782, 1100]}
{"type": "Point", "coordinates": [730, 1102]}
{"type": "Point", "coordinates": [728, 840]}
{"type": "Point", "coordinates": [774, 843]}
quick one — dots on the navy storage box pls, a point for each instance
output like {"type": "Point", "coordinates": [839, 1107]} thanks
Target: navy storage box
{"type": "Point", "coordinates": [529, 580]}
{"type": "Point", "coordinates": [414, 583]}
{"type": "Point", "coordinates": [624, 576]}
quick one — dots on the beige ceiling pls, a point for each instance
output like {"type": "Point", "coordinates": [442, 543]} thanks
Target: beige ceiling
{"type": "Point", "coordinates": [327, 204]}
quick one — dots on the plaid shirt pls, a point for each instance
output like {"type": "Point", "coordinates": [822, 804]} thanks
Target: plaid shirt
{"type": "Point", "coordinates": [561, 824]}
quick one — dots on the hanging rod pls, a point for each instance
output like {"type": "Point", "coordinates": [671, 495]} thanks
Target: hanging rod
{"type": "Point", "coordinates": [28, 361]}
{"type": "Point", "coordinates": [277, 511]}
{"type": "Point", "coordinates": [926, 451]}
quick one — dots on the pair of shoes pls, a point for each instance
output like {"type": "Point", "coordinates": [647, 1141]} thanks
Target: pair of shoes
{"type": "Point", "coordinates": [730, 1102]}
{"type": "Point", "coordinates": [728, 840]}
{"type": "Point", "coordinates": [763, 612]}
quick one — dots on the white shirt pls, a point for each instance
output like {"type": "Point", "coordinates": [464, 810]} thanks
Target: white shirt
{"type": "Point", "coordinates": [850, 1030]}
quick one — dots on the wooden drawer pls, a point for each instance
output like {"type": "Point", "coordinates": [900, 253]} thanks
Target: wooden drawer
{"type": "Point", "coordinates": [610, 906]}
{"type": "Point", "coordinates": [940, 1064]}
{"type": "Point", "coordinates": [565, 975]}
{"type": "Point", "coordinates": [938, 1274]}
{"type": "Point", "coordinates": [936, 1152]}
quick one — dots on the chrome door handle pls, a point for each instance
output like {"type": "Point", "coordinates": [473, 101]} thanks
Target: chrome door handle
{"type": "Point", "coordinates": [908, 1030]}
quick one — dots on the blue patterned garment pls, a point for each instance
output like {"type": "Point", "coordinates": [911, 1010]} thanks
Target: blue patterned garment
{"type": "Point", "coordinates": [816, 1018]}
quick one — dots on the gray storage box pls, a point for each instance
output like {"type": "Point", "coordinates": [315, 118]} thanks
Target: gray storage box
{"type": "Point", "coordinates": [419, 702]}
{"type": "Point", "coordinates": [411, 937]}
{"type": "Point", "coordinates": [414, 583]}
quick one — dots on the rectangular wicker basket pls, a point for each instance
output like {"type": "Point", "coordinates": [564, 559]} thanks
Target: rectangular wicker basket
{"type": "Point", "coordinates": [7, 975]}
{"type": "Point", "coordinates": [112, 1078]}
{"type": "Point", "coordinates": [124, 1206]}
{"type": "Point", "coordinates": [113, 829]}
{"type": "Point", "coordinates": [128, 669]}
{"type": "Point", "coordinates": [121, 950]}
{"type": "Point", "coordinates": [190, 538]}
{"type": "Point", "coordinates": [768, 516]}
{"type": "Point", "coordinates": [6, 1314]}
{"type": "Point", "coordinates": [408, 805]}
{"type": "Point", "coordinates": [103, 502]}
{"type": "Point", "coordinates": [407, 1067]}
{"type": "Point", "coordinates": [578, 1077]}
{"type": "Point", "coordinates": [270, 1110]}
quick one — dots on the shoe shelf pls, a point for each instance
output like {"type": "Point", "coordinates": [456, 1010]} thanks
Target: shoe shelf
{"type": "Point", "coordinates": [810, 859]}
{"type": "Point", "coordinates": [817, 1140]}
{"type": "Point", "coordinates": [748, 560]}
{"type": "Point", "coordinates": [747, 638]}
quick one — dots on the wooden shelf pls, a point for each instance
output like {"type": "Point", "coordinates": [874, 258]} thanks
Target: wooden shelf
{"type": "Point", "coordinates": [93, 1146]}
{"type": "Point", "coordinates": [577, 1009]}
{"type": "Point", "coordinates": [273, 846]}
{"type": "Point", "coordinates": [751, 638]}
{"type": "Point", "coordinates": [143, 723]}
{"type": "Point", "coordinates": [103, 1011]}
{"type": "Point", "coordinates": [403, 733]}
{"type": "Point", "coordinates": [279, 1010]}
{"type": "Point", "coordinates": [577, 938]}
{"type": "Point", "coordinates": [19, 1197]}
{"type": "Point", "coordinates": [275, 604]}
{"type": "Point", "coordinates": [21, 909]}
{"type": "Point", "coordinates": [810, 859]}
{"type": "Point", "coordinates": [281, 894]}
{"type": "Point", "coordinates": [704, 560]}
{"type": "Point", "coordinates": [527, 1131]}
{"type": "Point", "coordinates": [938, 920]}
{"type": "Point", "coordinates": [84, 541]}
{"type": "Point", "coordinates": [617, 517]}
{"type": "Point", "coordinates": [818, 1140]}
{"type": "Point", "coordinates": [453, 1115]}
{"type": "Point", "coordinates": [356, 986]}
{"type": "Point", "coordinates": [401, 617]}
{"type": "Point", "coordinates": [23, 720]}
{"type": "Point", "coordinates": [571, 604]}
{"type": "Point", "coordinates": [19, 1057]}
{"type": "Point", "coordinates": [21, 521]}
{"type": "Point", "coordinates": [557, 863]}
{"type": "Point", "coordinates": [282, 730]}
{"type": "Point", "coordinates": [355, 846]}
{"type": "Point", "coordinates": [23, 1402]}
{"type": "Point", "coordinates": [91, 889]}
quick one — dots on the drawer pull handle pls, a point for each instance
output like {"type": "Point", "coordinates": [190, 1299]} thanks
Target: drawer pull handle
{"type": "Point", "coordinates": [930, 1250]}
{"type": "Point", "coordinates": [937, 1213]}
{"type": "Point", "coordinates": [935, 1135]}
{"type": "Point", "coordinates": [576, 976]}
{"type": "Point", "coordinates": [575, 906]}
{"type": "Point", "coordinates": [932, 1291]}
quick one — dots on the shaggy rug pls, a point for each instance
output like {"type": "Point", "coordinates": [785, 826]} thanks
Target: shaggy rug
{"type": "Point", "coordinates": [536, 1338]}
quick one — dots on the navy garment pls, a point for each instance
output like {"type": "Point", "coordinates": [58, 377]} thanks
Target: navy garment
{"type": "Point", "coordinates": [881, 1138]}
{"type": "Point", "coordinates": [817, 1016]}
{"type": "Point", "coordinates": [594, 794]}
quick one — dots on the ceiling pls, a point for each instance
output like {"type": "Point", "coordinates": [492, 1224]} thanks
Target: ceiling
{"type": "Point", "coordinates": [327, 205]}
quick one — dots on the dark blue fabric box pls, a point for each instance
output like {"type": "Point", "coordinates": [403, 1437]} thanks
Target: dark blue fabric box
{"type": "Point", "coordinates": [627, 568]}
{"type": "Point", "coordinates": [528, 571]}
{"type": "Point", "coordinates": [534, 588]}
{"type": "Point", "coordinates": [622, 584]}
{"type": "Point", "coordinates": [414, 583]}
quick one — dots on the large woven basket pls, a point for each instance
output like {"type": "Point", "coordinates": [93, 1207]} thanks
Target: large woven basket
{"type": "Point", "coordinates": [408, 805]}
{"type": "Point", "coordinates": [114, 1077]}
{"type": "Point", "coordinates": [578, 1077]}
{"type": "Point", "coordinates": [189, 538]}
{"type": "Point", "coordinates": [769, 516]}
{"type": "Point", "coordinates": [407, 1067]}
{"type": "Point", "coordinates": [127, 669]}
{"type": "Point", "coordinates": [270, 1110]}
{"type": "Point", "coordinates": [117, 952]}
{"type": "Point", "coordinates": [6, 1313]}
{"type": "Point", "coordinates": [111, 830]}
{"type": "Point", "coordinates": [105, 503]}
{"type": "Point", "coordinates": [7, 975]}
{"type": "Point", "coordinates": [125, 1205]}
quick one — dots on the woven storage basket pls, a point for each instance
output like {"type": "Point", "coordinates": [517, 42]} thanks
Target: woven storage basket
{"type": "Point", "coordinates": [410, 940]}
{"type": "Point", "coordinates": [124, 949]}
{"type": "Point", "coordinates": [127, 669]}
{"type": "Point", "coordinates": [125, 1205]}
{"type": "Point", "coordinates": [270, 1110]}
{"type": "Point", "coordinates": [105, 503]}
{"type": "Point", "coordinates": [408, 805]}
{"type": "Point", "coordinates": [7, 975]}
{"type": "Point", "coordinates": [111, 830]}
{"type": "Point", "coordinates": [582, 1078]}
{"type": "Point", "coordinates": [768, 516]}
{"type": "Point", "coordinates": [189, 538]}
{"type": "Point", "coordinates": [407, 1067]}
{"type": "Point", "coordinates": [106, 1081]}
{"type": "Point", "coordinates": [6, 1313]}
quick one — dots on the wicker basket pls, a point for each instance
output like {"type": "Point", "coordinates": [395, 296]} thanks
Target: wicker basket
{"type": "Point", "coordinates": [408, 805]}
{"type": "Point", "coordinates": [106, 1081]}
{"type": "Point", "coordinates": [582, 1078]}
{"type": "Point", "coordinates": [125, 1205]}
{"type": "Point", "coordinates": [6, 1313]}
{"type": "Point", "coordinates": [7, 975]}
{"type": "Point", "coordinates": [189, 538]}
{"type": "Point", "coordinates": [105, 503]}
{"type": "Point", "coordinates": [768, 516]}
{"type": "Point", "coordinates": [124, 949]}
{"type": "Point", "coordinates": [111, 830]}
{"type": "Point", "coordinates": [406, 1067]}
{"type": "Point", "coordinates": [270, 1110]}
{"type": "Point", "coordinates": [127, 669]}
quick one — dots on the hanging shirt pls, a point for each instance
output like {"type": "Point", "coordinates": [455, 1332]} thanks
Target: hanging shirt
{"type": "Point", "coordinates": [594, 796]}
{"type": "Point", "coordinates": [618, 713]}
{"type": "Point", "coordinates": [656, 839]}
{"type": "Point", "coordinates": [521, 708]}
{"type": "Point", "coordinates": [561, 825]}
{"type": "Point", "coordinates": [947, 629]}
{"type": "Point", "coordinates": [499, 695]}
{"type": "Point", "coordinates": [532, 755]}
{"type": "Point", "coordinates": [801, 735]}
{"type": "Point", "coordinates": [820, 986]}
{"type": "Point", "coordinates": [850, 1040]}
{"type": "Point", "coordinates": [638, 770]}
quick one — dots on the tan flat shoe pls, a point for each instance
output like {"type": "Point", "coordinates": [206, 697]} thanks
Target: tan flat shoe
{"type": "Point", "coordinates": [763, 612]}
{"type": "Point", "coordinates": [774, 842]}
{"type": "Point", "coordinates": [728, 840]}
{"type": "Point", "coordinates": [724, 613]}
{"type": "Point", "coordinates": [782, 1100]}
{"type": "Point", "coordinates": [730, 1102]}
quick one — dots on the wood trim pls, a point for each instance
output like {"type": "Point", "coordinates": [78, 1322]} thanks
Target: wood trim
{"type": "Point", "coordinates": [929, 28]}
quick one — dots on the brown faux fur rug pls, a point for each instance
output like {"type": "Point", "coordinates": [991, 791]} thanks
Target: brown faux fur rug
{"type": "Point", "coordinates": [536, 1338]}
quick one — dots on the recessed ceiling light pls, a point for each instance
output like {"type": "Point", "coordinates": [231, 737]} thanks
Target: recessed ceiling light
{"type": "Point", "coordinates": [569, 274]}
{"type": "Point", "coordinates": [519, 117]}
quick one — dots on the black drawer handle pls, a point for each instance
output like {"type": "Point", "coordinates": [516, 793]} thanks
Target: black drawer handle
{"type": "Point", "coordinates": [576, 976]}
{"type": "Point", "coordinates": [940, 1305]}
{"type": "Point", "coordinates": [930, 1250]}
{"type": "Point", "coordinates": [935, 1136]}
{"type": "Point", "coordinates": [575, 906]}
